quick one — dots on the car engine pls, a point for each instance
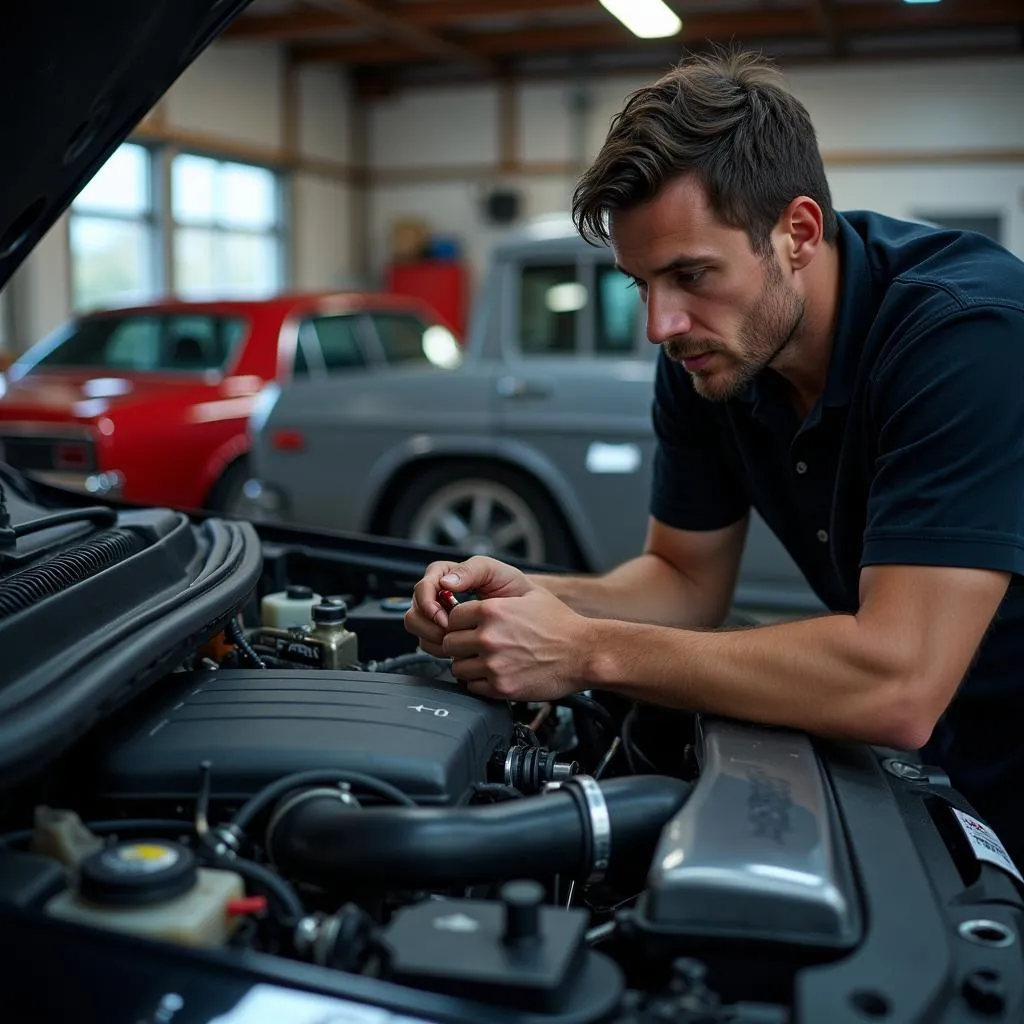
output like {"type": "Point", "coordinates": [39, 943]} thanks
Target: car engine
{"type": "Point", "coordinates": [225, 762]}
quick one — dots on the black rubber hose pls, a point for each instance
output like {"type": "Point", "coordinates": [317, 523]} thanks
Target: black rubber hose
{"type": "Point", "coordinates": [324, 777]}
{"type": "Point", "coordinates": [287, 905]}
{"type": "Point", "coordinates": [580, 702]}
{"type": "Point", "coordinates": [323, 841]}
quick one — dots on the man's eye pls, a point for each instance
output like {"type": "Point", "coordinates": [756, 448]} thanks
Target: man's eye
{"type": "Point", "coordinates": [690, 277]}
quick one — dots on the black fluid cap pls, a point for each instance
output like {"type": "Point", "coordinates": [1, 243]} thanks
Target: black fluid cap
{"type": "Point", "coordinates": [523, 900]}
{"type": "Point", "coordinates": [135, 873]}
{"type": "Point", "coordinates": [331, 611]}
{"type": "Point", "coordinates": [297, 592]}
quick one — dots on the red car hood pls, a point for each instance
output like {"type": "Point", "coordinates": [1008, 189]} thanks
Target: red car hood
{"type": "Point", "coordinates": [86, 395]}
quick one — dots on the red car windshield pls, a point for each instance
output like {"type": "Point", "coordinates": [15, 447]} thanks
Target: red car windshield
{"type": "Point", "coordinates": [147, 343]}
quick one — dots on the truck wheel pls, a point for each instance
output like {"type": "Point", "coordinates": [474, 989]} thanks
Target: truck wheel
{"type": "Point", "coordinates": [483, 511]}
{"type": "Point", "coordinates": [228, 493]}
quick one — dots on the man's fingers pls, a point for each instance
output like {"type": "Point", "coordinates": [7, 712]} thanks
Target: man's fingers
{"type": "Point", "coordinates": [469, 670]}
{"type": "Point", "coordinates": [487, 576]}
{"type": "Point", "coordinates": [428, 633]}
{"type": "Point", "coordinates": [462, 643]}
{"type": "Point", "coordinates": [434, 649]}
{"type": "Point", "coordinates": [482, 688]}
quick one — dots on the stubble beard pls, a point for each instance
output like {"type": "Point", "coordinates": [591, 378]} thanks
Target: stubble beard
{"type": "Point", "coordinates": [768, 329]}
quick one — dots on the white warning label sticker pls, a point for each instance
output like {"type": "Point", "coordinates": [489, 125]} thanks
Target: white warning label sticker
{"type": "Point", "coordinates": [986, 844]}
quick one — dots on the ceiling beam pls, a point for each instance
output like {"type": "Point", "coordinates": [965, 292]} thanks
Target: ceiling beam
{"type": "Point", "coordinates": [434, 13]}
{"type": "Point", "coordinates": [824, 12]}
{"type": "Point", "coordinates": [431, 14]}
{"type": "Point", "coordinates": [601, 36]}
{"type": "Point", "coordinates": [949, 14]}
{"type": "Point", "coordinates": [294, 25]}
{"type": "Point", "coordinates": [744, 27]}
{"type": "Point", "coordinates": [418, 39]}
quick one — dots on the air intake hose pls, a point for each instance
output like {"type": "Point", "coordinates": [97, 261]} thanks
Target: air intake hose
{"type": "Point", "coordinates": [324, 841]}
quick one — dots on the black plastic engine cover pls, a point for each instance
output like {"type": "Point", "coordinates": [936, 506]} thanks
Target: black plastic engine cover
{"type": "Point", "coordinates": [431, 740]}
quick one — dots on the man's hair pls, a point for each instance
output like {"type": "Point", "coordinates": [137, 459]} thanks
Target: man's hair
{"type": "Point", "coordinates": [727, 119]}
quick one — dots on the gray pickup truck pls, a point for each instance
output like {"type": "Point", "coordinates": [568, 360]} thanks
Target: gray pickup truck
{"type": "Point", "coordinates": [533, 442]}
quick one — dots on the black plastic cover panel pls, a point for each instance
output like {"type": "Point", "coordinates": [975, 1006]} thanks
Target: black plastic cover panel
{"type": "Point", "coordinates": [430, 740]}
{"type": "Point", "coordinates": [76, 644]}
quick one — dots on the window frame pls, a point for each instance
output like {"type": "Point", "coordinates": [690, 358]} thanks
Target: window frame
{"type": "Point", "coordinates": [408, 314]}
{"type": "Point", "coordinates": [583, 317]}
{"type": "Point", "coordinates": [153, 219]}
{"type": "Point", "coordinates": [280, 233]}
{"type": "Point", "coordinates": [587, 266]}
{"type": "Point", "coordinates": [638, 340]}
{"type": "Point", "coordinates": [317, 368]}
{"type": "Point", "coordinates": [162, 226]}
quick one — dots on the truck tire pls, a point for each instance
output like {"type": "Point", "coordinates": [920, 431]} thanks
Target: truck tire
{"type": "Point", "coordinates": [483, 510]}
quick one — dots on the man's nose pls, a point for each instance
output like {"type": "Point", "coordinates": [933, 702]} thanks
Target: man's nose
{"type": "Point", "coordinates": [666, 319]}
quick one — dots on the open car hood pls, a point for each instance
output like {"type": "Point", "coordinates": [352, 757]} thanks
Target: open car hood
{"type": "Point", "coordinates": [76, 78]}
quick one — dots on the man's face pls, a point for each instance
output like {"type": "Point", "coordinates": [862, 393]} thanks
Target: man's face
{"type": "Point", "coordinates": [713, 304]}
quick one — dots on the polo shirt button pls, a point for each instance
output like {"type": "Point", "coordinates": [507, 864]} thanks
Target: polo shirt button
{"type": "Point", "coordinates": [823, 536]}
{"type": "Point", "coordinates": [801, 468]}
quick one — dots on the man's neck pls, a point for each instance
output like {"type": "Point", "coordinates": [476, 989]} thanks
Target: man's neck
{"type": "Point", "coordinates": [804, 363]}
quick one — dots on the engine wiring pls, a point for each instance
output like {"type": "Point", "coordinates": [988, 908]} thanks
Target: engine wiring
{"type": "Point", "coordinates": [637, 760]}
{"type": "Point", "coordinates": [236, 635]}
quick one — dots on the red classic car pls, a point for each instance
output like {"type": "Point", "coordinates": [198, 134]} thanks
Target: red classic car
{"type": "Point", "coordinates": [152, 403]}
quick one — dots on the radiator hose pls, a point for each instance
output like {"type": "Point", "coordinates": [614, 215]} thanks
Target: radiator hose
{"type": "Point", "coordinates": [326, 841]}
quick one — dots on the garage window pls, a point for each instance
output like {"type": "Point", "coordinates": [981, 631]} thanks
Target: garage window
{"type": "Point", "coordinates": [113, 234]}
{"type": "Point", "coordinates": [227, 224]}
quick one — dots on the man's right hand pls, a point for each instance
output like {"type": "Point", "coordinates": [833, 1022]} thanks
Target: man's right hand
{"type": "Point", "coordinates": [427, 619]}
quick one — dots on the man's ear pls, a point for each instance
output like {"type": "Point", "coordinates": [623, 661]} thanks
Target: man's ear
{"type": "Point", "coordinates": [800, 232]}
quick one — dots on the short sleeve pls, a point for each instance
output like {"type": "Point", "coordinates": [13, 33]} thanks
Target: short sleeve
{"type": "Point", "coordinates": [948, 485]}
{"type": "Point", "coordinates": [695, 485]}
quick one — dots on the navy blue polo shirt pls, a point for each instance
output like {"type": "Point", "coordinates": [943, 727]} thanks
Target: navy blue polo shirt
{"type": "Point", "coordinates": [914, 454]}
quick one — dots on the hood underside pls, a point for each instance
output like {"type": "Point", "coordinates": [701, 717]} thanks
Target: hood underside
{"type": "Point", "coordinates": [77, 76]}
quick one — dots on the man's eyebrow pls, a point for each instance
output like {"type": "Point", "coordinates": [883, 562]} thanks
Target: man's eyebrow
{"type": "Point", "coordinates": [679, 263]}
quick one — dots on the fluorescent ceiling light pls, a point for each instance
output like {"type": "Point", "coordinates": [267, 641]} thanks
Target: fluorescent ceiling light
{"type": "Point", "coordinates": [920, 1]}
{"type": "Point", "coordinates": [648, 19]}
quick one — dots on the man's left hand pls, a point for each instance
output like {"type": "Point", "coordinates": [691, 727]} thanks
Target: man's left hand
{"type": "Point", "coordinates": [518, 648]}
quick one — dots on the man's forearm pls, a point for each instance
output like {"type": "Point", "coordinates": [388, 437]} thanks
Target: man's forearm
{"type": "Point", "coordinates": [644, 589]}
{"type": "Point", "coordinates": [822, 675]}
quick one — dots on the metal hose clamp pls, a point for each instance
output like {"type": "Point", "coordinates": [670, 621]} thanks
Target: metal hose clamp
{"type": "Point", "coordinates": [340, 792]}
{"type": "Point", "coordinates": [600, 825]}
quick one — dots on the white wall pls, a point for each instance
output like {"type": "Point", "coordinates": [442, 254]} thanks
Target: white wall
{"type": "Point", "coordinates": [322, 231]}
{"type": "Point", "coordinates": [443, 142]}
{"type": "Point", "coordinates": [435, 127]}
{"type": "Point", "coordinates": [874, 110]}
{"type": "Point", "coordinates": [233, 92]}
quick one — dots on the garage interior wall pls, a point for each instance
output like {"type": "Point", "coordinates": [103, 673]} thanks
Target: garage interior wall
{"type": "Point", "coordinates": [907, 139]}
{"type": "Point", "coordinates": [232, 102]}
{"type": "Point", "coordinates": [921, 138]}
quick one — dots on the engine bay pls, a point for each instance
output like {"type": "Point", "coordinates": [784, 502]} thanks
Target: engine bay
{"type": "Point", "coordinates": [228, 773]}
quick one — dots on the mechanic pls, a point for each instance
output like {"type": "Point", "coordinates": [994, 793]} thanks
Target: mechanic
{"type": "Point", "coordinates": [858, 380]}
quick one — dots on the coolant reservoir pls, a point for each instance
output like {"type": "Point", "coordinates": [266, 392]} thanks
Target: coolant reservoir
{"type": "Point", "coordinates": [152, 889]}
{"type": "Point", "coordinates": [286, 609]}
